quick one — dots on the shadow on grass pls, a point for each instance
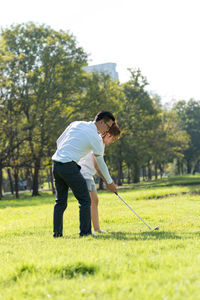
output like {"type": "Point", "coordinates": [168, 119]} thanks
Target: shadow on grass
{"type": "Point", "coordinates": [193, 189]}
{"type": "Point", "coordinates": [54, 272]}
{"type": "Point", "coordinates": [127, 236]}
{"type": "Point", "coordinates": [184, 180]}
{"type": "Point", "coordinates": [28, 200]}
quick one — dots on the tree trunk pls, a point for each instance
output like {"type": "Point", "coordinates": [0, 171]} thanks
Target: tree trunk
{"type": "Point", "coordinates": [52, 182]}
{"type": "Point", "coordinates": [189, 167]}
{"type": "Point", "coordinates": [35, 178]}
{"type": "Point", "coordinates": [1, 181]}
{"type": "Point", "coordinates": [149, 171]}
{"type": "Point", "coordinates": [119, 173]}
{"type": "Point", "coordinates": [101, 184]}
{"type": "Point", "coordinates": [156, 171]}
{"type": "Point", "coordinates": [161, 170]}
{"type": "Point", "coordinates": [129, 176]}
{"type": "Point", "coordinates": [10, 181]}
{"type": "Point", "coordinates": [195, 169]}
{"type": "Point", "coordinates": [48, 180]}
{"type": "Point", "coordinates": [198, 166]}
{"type": "Point", "coordinates": [29, 178]}
{"type": "Point", "coordinates": [16, 182]}
{"type": "Point", "coordinates": [136, 172]}
{"type": "Point", "coordinates": [178, 167]}
{"type": "Point", "coordinates": [182, 168]}
{"type": "Point", "coordinates": [143, 173]}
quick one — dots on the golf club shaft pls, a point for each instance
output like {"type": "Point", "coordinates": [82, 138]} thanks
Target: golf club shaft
{"type": "Point", "coordinates": [133, 211]}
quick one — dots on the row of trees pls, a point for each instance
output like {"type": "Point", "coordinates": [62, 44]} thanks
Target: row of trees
{"type": "Point", "coordinates": [43, 87]}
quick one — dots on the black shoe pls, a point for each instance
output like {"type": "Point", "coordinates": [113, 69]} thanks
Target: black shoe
{"type": "Point", "coordinates": [56, 235]}
{"type": "Point", "coordinates": [87, 234]}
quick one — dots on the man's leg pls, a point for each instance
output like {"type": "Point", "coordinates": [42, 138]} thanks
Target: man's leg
{"type": "Point", "coordinates": [70, 175]}
{"type": "Point", "coordinates": [61, 200]}
{"type": "Point", "coordinates": [79, 188]}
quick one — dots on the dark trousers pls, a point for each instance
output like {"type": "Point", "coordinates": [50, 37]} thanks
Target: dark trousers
{"type": "Point", "coordinates": [67, 175]}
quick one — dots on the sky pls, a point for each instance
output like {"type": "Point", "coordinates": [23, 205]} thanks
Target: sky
{"type": "Point", "coordinates": [160, 37]}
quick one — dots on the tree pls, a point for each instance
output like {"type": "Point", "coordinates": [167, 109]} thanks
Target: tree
{"type": "Point", "coordinates": [44, 68]}
{"type": "Point", "coordinates": [171, 140]}
{"type": "Point", "coordinates": [140, 118]}
{"type": "Point", "coordinates": [11, 135]}
{"type": "Point", "coordinates": [100, 92]}
{"type": "Point", "coordinates": [189, 115]}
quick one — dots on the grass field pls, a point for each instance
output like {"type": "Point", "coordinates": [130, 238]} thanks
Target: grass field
{"type": "Point", "coordinates": [128, 262]}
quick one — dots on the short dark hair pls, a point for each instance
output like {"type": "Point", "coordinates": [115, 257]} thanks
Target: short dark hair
{"type": "Point", "coordinates": [104, 115]}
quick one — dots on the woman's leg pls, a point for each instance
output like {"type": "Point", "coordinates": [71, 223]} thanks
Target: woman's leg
{"type": "Point", "coordinates": [94, 210]}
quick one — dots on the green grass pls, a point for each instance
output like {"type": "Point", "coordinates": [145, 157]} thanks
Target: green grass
{"type": "Point", "coordinates": [128, 262]}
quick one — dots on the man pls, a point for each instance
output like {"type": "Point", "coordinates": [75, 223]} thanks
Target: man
{"type": "Point", "coordinates": [76, 141]}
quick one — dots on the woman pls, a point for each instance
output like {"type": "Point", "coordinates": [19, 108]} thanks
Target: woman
{"type": "Point", "coordinates": [88, 170]}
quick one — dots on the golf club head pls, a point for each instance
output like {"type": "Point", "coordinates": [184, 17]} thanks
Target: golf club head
{"type": "Point", "coordinates": [156, 228]}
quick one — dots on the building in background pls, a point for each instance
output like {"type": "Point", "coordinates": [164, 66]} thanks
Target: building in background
{"type": "Point", "coordinates": [108, 68]}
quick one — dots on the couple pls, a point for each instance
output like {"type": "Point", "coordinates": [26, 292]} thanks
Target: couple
{"type": "Point", "coordinates": [79, 139]}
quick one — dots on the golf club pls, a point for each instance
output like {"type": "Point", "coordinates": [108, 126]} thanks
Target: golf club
{"type": "Point", "coordinates": [156, 228]}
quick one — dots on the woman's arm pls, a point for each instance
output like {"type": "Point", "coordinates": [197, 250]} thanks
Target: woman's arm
{"type": "Point", "coordinates": [97, 168]}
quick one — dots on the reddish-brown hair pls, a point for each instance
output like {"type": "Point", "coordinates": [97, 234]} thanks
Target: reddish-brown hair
{"type": "Point", "coordinates": [114, 130]}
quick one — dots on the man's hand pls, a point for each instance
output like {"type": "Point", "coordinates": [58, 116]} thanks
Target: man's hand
{"type": "Point", "coordinates": [112, 187]}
